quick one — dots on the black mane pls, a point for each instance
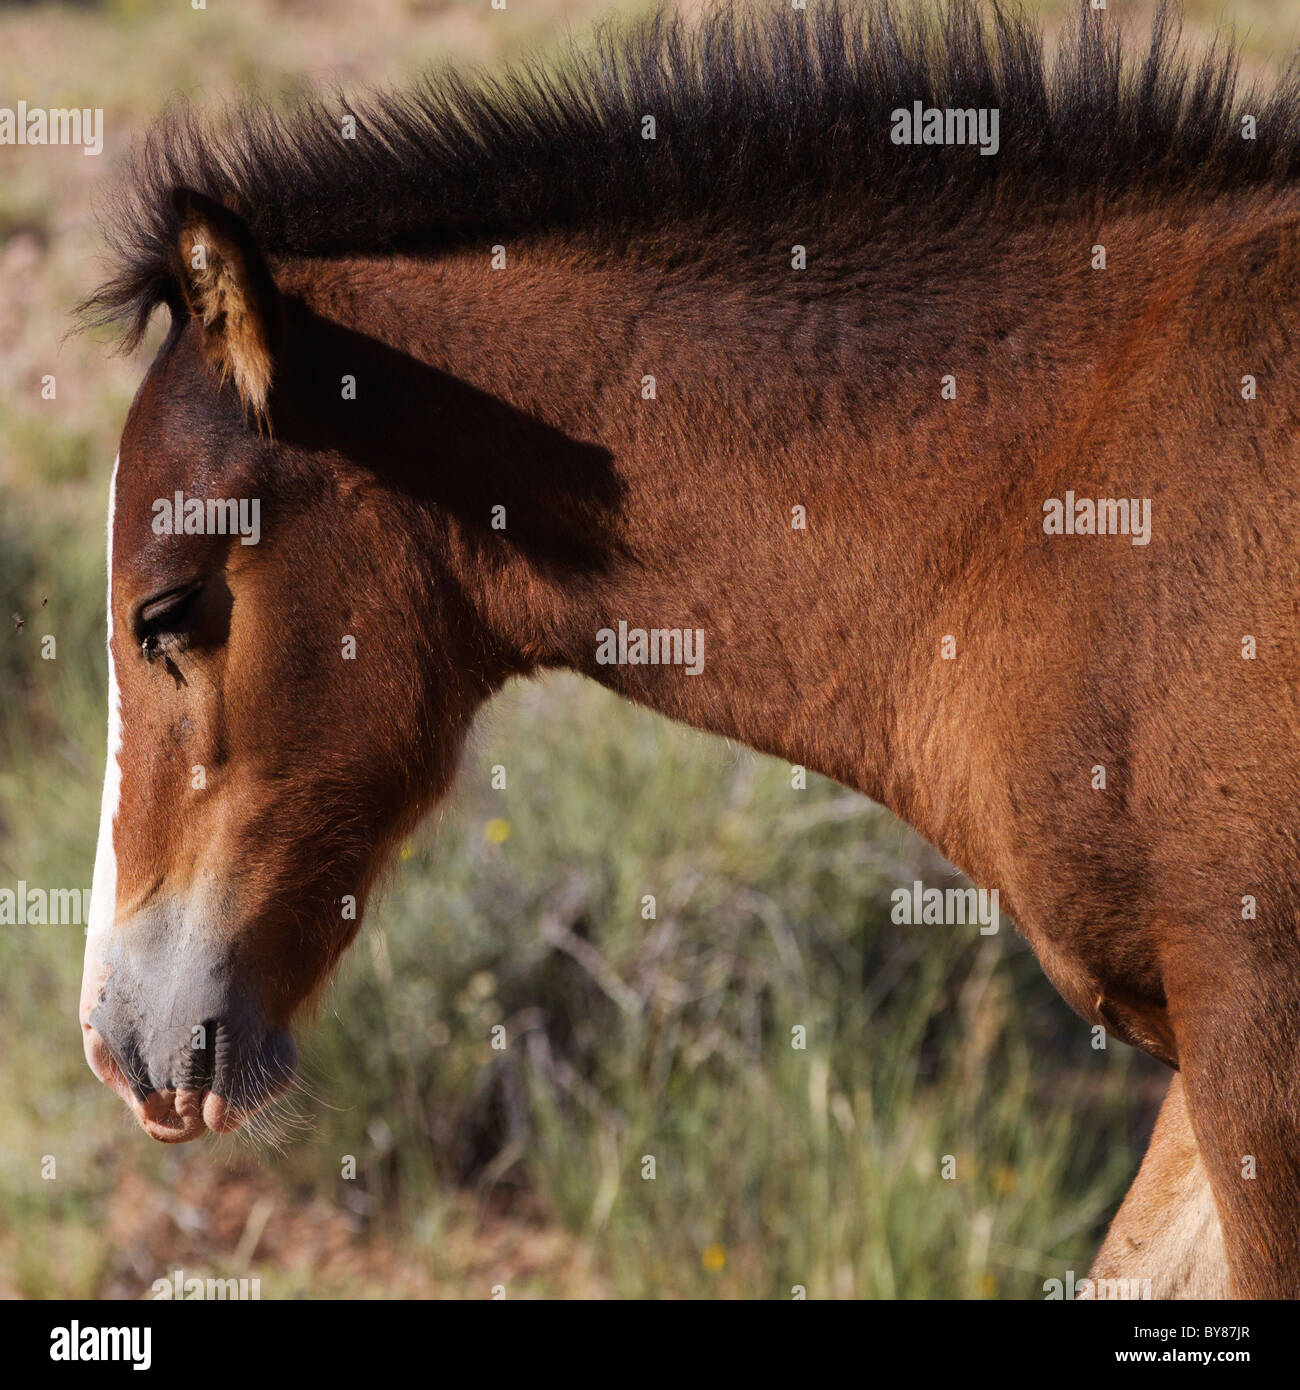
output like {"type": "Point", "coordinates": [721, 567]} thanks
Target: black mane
{"type": "Point", "coordinates": [770, 128]}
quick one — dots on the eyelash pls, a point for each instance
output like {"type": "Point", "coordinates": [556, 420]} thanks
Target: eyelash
{"type": "Point", "coordinates": [159, 630]}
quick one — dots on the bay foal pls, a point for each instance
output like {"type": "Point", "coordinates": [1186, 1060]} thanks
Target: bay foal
{"type": "Point", "coordinates": [681, 337]}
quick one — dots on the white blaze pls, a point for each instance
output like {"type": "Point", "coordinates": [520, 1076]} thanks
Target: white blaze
{"type": "Point", "coordinates": [103, 891]}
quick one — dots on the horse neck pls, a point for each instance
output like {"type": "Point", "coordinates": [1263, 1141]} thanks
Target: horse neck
{"type": "Point", "coordinates": [793, 484]}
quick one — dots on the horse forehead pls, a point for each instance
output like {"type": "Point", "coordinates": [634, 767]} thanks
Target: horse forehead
{"type": "Point", "coordinates": [181, 428]}
{"type": "Point", "coordinates": [163, 469]}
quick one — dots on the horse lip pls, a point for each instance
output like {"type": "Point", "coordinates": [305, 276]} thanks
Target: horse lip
{"type": "Point", "coordinates": [165, 1116]}
{"type": "Point", "coordinates": [180, 1115]}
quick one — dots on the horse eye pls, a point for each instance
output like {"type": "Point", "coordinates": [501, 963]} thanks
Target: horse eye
{"type": "Point", "coordinates": [165, 612]}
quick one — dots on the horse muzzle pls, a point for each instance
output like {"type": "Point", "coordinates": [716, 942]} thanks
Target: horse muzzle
{"type": "Point", "coordinates": [171, 1031]}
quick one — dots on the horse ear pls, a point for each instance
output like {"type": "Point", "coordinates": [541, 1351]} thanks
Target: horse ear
{"type": "Point", "coordinates": [228, 288]}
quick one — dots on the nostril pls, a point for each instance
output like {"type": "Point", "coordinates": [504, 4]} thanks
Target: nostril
{"type": "Point", "coordinates": [115, 1063]}
{"type": "Point", "coordinates": [132, 1066]}
{"type": "Point", "coordinates": [99, 1055]}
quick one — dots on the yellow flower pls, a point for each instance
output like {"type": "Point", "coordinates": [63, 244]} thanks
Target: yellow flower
{"type": "Point", "coordinates": [407, 850]}
{"type": "Point", "coordinates": [713, 1257]}
{"type": "Point", "coordinates": [496, 831]}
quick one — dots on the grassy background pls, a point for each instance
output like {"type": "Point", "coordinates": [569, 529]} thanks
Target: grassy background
{"type": "Point", "coordinates": [774, 1167]}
